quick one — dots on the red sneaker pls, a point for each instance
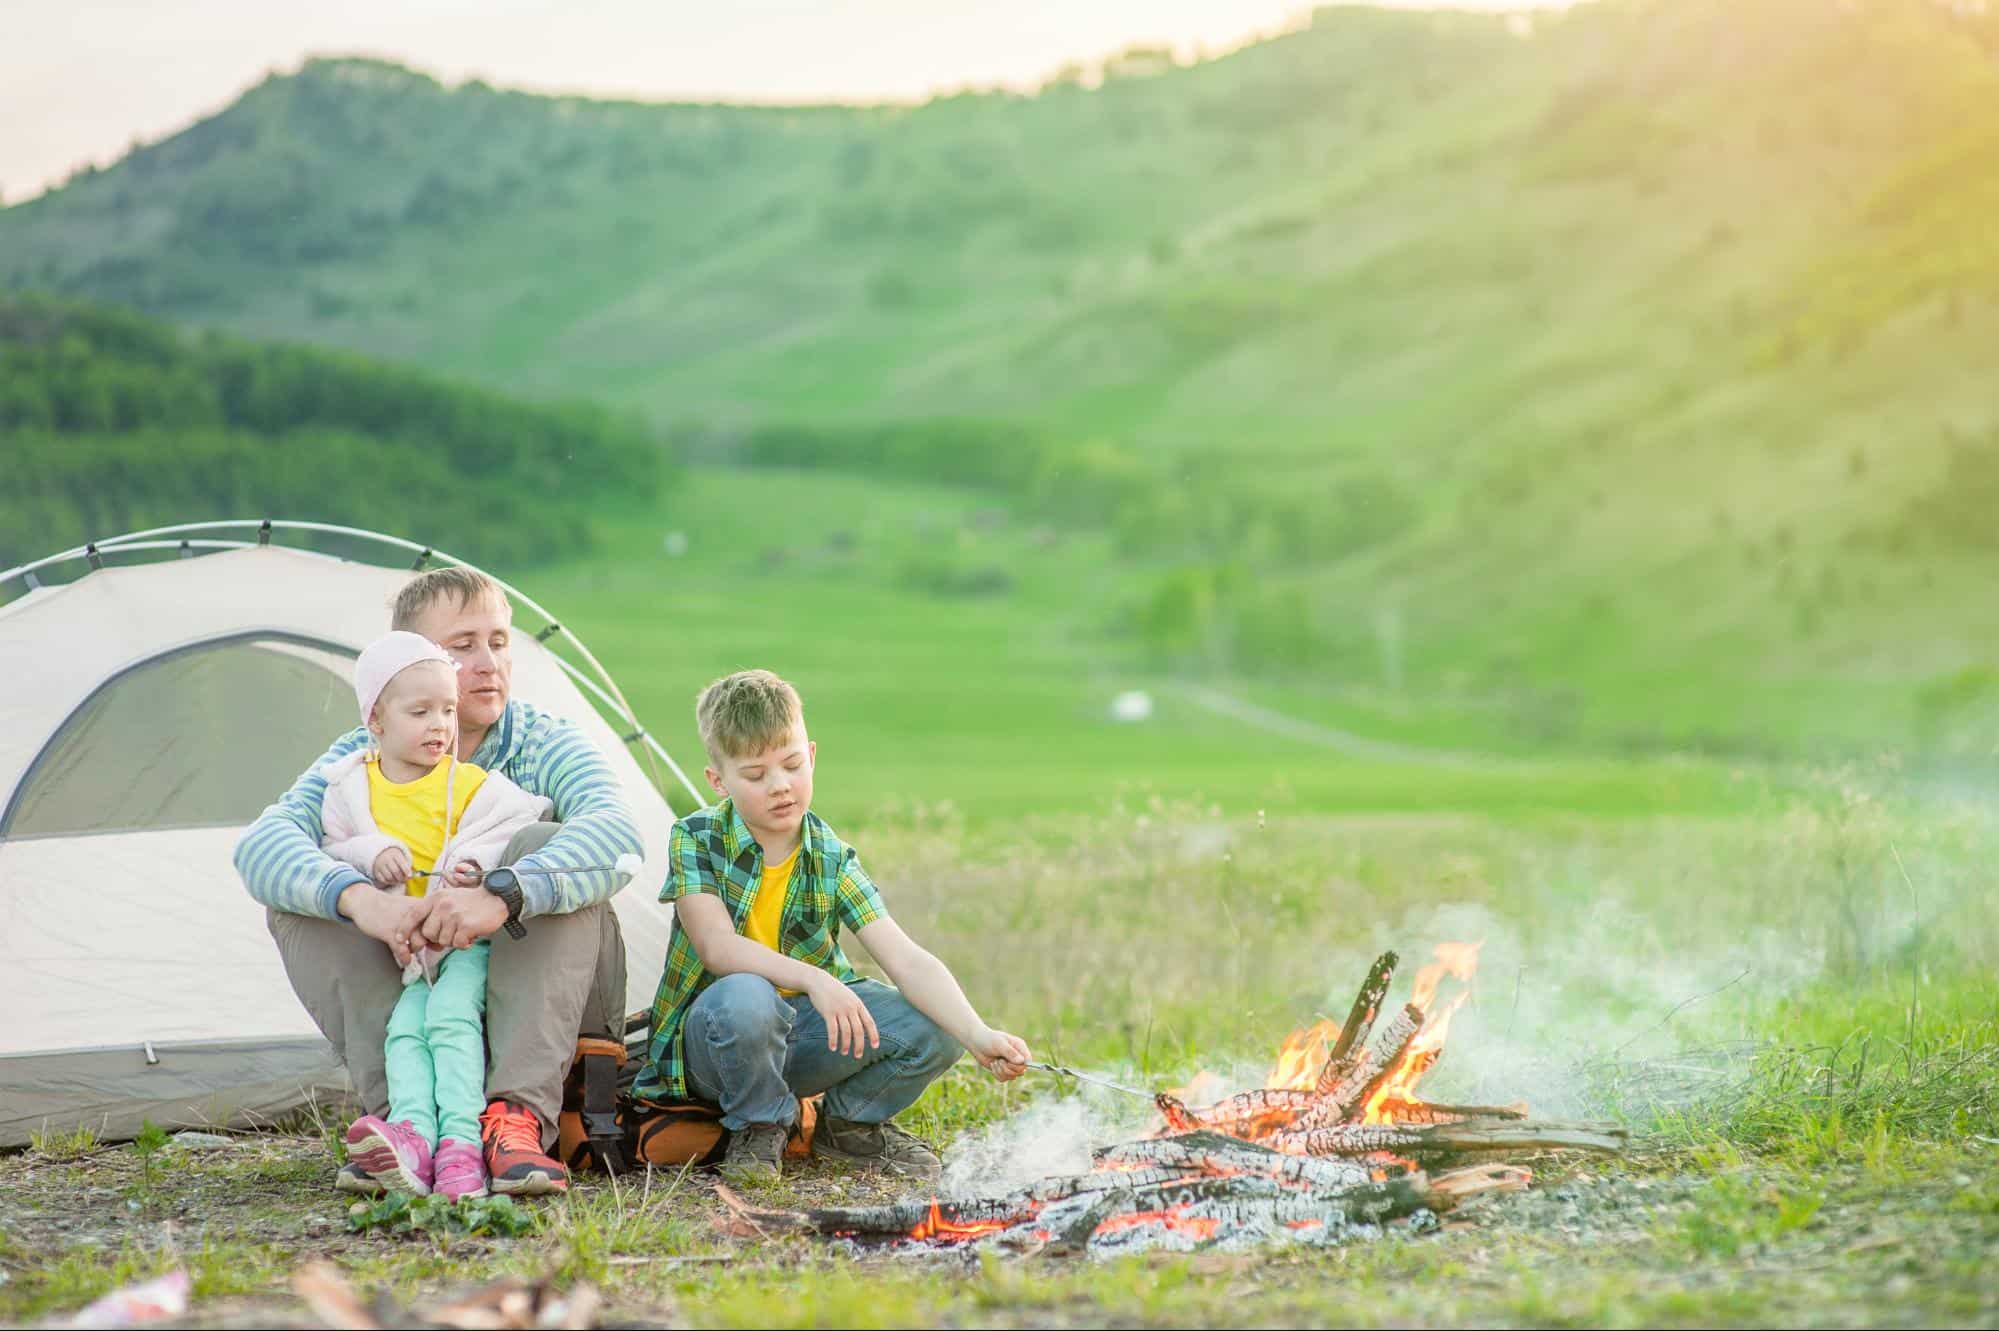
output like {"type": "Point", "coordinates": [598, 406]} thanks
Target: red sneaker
{"type": "Point", "coordinates": [514, 1158]}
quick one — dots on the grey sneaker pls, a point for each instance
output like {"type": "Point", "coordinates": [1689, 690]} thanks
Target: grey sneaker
{"type": "Point", "coordinates": [755, 1154]}
{"type": "Point", "coordinates": [881, 1146]}
{"type": "Point", "coordinates": [352, 1178]}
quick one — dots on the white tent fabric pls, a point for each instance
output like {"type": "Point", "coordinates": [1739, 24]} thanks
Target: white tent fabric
{"type": "Point", "coordinates": [139, 980]}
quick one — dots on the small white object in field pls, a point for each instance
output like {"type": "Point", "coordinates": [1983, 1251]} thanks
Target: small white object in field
{"type": "Point", "coordinates": [1132, 705]}
{"type": "Point", "coordinates": [676, 544]}
{"type": "Point", "coordinates": [628, 865]}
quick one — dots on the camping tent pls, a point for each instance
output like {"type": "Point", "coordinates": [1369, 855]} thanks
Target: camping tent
{"type": "Point", "coordinates": [150, 710]}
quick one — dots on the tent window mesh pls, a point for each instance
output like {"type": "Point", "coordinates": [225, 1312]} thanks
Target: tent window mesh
{"type": "Point", "coordinates": [204, 737]}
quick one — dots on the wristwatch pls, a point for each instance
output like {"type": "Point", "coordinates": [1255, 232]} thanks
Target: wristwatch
{"type": "Point", "coordinates": [505, 884]}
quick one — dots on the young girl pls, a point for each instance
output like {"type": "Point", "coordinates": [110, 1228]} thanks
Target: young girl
{"type": "Point", "coordinates": [400, 811]}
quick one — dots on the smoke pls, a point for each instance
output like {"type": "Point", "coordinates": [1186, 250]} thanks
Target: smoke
{"type": "Point", "coordinates": [1599, 1014]}
{"type": "Point", "coordinates": [1048, 1138]}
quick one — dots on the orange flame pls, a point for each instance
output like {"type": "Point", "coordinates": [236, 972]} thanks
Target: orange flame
{"type": "Point", "coordinates": [1302, 1056]}
{"type": "Point", "coordinates": [935, 1226]}
{"type": "Point", "coordinates": [1460, 962]}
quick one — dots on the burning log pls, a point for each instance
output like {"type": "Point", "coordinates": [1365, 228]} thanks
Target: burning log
{"type": "Point", "coordinates": [1178, 1117]}
{"type": "Point", "coordinates": [1323, 1152]}
{"type": "Point", "coordinates": [1253, 1113]}
{"type": "Point", "coordinates": [1429, 1111]}
{"type": "Point", "coordinates": [1389, 1054]}
{"type": "Point", "coordinates": [1214, 1153]}
{"type": "Point", "coordinates": [1360, 1021]}
{"type": "Point", "coordinates": [1471, 1137]}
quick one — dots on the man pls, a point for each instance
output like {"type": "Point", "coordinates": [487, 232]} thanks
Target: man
{"type": "Point", "coordinates": [344, 941]}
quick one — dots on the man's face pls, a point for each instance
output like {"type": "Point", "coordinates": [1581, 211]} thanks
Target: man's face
{"type": "Point", "coordinates": [772, 789]}
{"type": "Point", "coordinates": [479, 636]}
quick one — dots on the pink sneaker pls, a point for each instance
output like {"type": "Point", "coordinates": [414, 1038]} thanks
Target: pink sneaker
{"type": "Point", "coordinates": [461, 1170]}
{"type": "Point", "coordinates": [392, 1154]}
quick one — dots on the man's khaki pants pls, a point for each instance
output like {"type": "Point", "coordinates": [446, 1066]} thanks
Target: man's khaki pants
{"type": "Point", "coordinates": [565, 979]}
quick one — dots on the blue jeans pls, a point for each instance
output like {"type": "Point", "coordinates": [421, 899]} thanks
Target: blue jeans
{"type": "Point", "coordinates": [753, 1051]}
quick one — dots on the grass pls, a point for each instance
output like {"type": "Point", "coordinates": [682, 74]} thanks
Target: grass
{"type": "Point", "coordinates": [999, 706]}
{"type": "Point", "coordinates": [1819, 1140]}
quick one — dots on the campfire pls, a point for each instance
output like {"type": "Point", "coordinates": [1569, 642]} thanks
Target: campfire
{"type": "Point", "coordinates": [1335, 1145]}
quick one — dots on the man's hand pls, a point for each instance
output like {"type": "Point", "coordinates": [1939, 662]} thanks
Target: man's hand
{"type": "Point", "coordinates": [387, 918]}
{"type": "Point", "coordinates": [1003, 1055]}
{"type": "Point", "coordinates": [458, 918]}
{"type": "Point", "coordinates": [465, 873]}
{"type": "Point", "coordinates": [850, 1028]}
{"type": "Point", "coordinates": [392, 868]}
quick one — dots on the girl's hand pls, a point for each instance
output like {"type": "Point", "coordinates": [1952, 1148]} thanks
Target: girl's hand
{"type": "Point", "coordinates": [465, 873]}
{"type": "Point", "coordinates": [1003, 1055]}
{"type": "Point", "coordinates": [392, 867]}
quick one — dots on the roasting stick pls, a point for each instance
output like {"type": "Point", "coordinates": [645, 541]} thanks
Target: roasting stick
{"type": "Point", "coordinates": [1057, 1071]}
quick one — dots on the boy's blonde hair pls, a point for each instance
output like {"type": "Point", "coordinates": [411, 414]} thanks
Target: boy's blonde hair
{"type": "Point", "coordinates": [746, 713]}
{"type": "Point", "coordinates": [463, 585]}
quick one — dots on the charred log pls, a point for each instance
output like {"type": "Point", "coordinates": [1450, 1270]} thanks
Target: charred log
{"type": "Point", "coordinates": [1215, 1153]}
{"type": "Point", "coordinates": [1178, 1117]}
{"type": "Point", "coordinates": [1253, 1113]}
{"type": "Point", "coordinates": [1442, 1141]}
{"type": "Point", "coordinates": [1387, 1056]}
{"type": "Point", "coordinates": [1360, 1019]}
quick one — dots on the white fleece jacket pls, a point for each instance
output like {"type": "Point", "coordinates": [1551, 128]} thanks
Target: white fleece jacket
{"type": "Point", "coordinates": [497, 811]}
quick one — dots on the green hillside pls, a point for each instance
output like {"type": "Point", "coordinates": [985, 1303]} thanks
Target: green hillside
{"type": "Point", "coordinates": [114, 421]}
{"type": "Point", "coordinates": [1622, 381]}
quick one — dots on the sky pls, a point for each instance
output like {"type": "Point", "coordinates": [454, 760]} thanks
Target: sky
{"type": "Point", "coordinates": [80, 80]}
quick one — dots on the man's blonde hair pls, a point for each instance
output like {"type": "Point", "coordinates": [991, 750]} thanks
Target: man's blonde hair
{"type": "Point", "coordinates": [745, 713]}
{"type": "Point", "coordinates": [463, 585]}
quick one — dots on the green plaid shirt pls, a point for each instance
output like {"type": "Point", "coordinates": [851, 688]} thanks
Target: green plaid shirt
{"type": "Point", "coordinates": [712, 850]}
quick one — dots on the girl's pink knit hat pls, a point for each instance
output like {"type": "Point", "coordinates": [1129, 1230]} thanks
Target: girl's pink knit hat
{"type": "Point", "coordinates": [385, 658]}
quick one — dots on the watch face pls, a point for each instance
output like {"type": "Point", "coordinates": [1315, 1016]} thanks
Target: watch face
{"type": "Point", "coordinates": [502, 880]}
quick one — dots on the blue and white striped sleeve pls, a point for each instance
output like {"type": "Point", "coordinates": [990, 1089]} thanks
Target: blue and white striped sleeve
{"type": "Point", "coordinates": [279, 856]}
{"type": "Point", "coordinates": [597, 823]}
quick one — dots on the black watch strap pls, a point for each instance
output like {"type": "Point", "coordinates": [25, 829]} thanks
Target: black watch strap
{"type": "Point", "coordinates": [505, 884]}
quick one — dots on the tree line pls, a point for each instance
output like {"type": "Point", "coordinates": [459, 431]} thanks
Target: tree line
{"type": "Point", "coordinates": [114, 420]}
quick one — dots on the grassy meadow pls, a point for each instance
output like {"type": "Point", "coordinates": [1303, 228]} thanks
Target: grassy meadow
{"type": "Point", "coordinates": [1541, 476]}
{"type": "Point", "coordinates": [1779, 974]}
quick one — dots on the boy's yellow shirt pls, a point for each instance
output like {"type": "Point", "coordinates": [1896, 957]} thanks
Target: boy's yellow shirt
{"type": "Point", "coordinates": [413, 811]}
{"type": "Point", "coordinates": [767, 911]}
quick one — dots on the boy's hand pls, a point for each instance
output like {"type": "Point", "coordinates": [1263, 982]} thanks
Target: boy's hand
{"type": "Point", "coordinates": [392, 867]}
{"type": "Point", "coordinates": [1003, 1055]}
{"type": "Point", "coordinates": [850, 1028]}
{"type": "Point", "coordinates": [465, 873]}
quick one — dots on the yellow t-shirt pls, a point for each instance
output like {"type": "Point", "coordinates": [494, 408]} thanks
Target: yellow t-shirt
{"type": "Point", "coordinates": [767, 909]}
{"type": "Point", "coordinates": [413, 811]}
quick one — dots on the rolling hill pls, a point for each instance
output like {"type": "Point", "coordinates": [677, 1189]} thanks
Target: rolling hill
{"type": "Point", "coordinates": [1623, 373]}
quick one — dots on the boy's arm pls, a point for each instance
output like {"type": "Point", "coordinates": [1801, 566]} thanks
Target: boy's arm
{"type": "Point", "coordinates": [723, 951]}
{"type": "Point", "coordinates": [929, 984]}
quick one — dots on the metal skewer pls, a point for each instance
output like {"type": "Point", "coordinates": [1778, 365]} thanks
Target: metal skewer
{"type": "Point", "coordinates": [1059, 1071]}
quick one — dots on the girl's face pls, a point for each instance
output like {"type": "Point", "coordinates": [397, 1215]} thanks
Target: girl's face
{"type": "Point", "coordinates": [415, 721]}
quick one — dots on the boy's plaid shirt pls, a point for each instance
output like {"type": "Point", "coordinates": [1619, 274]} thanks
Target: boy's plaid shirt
{"type": "Point", "coordinates": [712, 850]}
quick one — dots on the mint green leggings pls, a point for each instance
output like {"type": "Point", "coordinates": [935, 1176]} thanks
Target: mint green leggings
{"type": "Point", "coordinates": [436, 1052]}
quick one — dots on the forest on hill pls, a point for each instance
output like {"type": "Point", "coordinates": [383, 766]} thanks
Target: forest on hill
{"type": "Point", "coordinates": [114, 421]}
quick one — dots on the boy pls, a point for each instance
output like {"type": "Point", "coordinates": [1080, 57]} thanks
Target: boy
{"type": "Point", "coordinates": [758, 1005]}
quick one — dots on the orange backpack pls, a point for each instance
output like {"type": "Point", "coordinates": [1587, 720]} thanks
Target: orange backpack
{"type": "Point", "coordinates": [602, 1127]}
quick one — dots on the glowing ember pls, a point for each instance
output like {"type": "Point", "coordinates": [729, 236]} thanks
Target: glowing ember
{"type": "Point", "coordinates": [1176, 1219]}
{"type": "Point", "coordinates": [935, 1228]}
